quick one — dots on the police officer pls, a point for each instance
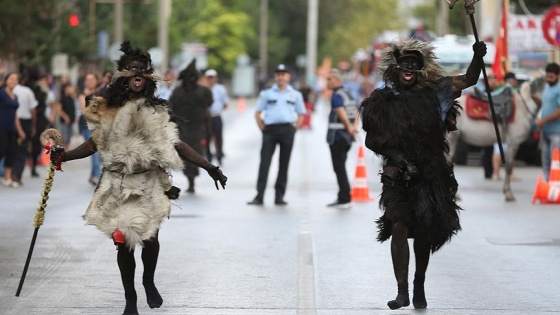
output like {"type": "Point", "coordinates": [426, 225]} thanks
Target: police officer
{"type": "Point", "coordinates": [279, 114]}
{"type": "Point", "coordinates": [343, 125]}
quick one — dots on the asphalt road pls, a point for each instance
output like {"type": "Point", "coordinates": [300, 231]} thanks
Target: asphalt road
{"type": "Point", "coordinates": [221, 256]}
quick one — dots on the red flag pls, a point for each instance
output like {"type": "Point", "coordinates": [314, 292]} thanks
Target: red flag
{"type": "Point", "coordinates": [499, 67]}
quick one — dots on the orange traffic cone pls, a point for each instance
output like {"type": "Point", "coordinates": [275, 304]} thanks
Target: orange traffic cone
{"type": "Point", "coordinates": [44, 159]}
{"type": "Point", "coordinates": [546, 193]}
{"type": "Point", "coordinates": [241, 104]}
{"type": "Point", "coordinates": [554, 175]}
{"type": "Point", "coordinates": [360, 190]}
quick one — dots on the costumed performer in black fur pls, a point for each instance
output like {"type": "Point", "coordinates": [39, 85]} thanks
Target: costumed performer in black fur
{"type": "Point", "coordinates": [406, 122]}
{"type": "Point", "coordinates": [138, 142]}
{"type": "Point", "coordinates": [190, 103]}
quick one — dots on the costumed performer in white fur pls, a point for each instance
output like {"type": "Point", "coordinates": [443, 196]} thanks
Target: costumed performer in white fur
{"type": "Point", "coordinates": [406, 122]}
{"type": "Point", "coordinates": [138, 141]}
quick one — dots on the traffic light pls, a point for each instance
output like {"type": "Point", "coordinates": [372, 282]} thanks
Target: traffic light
{"type": "Point", "coordinates": [74, 20]}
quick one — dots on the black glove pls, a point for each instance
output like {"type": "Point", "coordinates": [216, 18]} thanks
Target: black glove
{"type": "Point", "coordinates": [217, 176]}
{"type": "Point", "coordinates": [479, 49]}
{"type": "Point", "coordinates": [397, 158]}
{"type": "Point", "coordinates": [57, 155]}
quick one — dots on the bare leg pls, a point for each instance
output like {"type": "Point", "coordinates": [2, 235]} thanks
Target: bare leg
{"type": "Point", "coordinates": [149, 258]}
{"type": "Point", "coordinates": [127, 266]}
{"type": "Point", "coordinates": [422, 252]}
{"type": "Point", "coordinates": [400, 255]}
{"type": "Point", "coordinates": [496, 165]}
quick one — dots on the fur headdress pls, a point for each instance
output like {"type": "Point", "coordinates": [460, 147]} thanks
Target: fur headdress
{"type": "Point", "coordinates": [118, 91]}
{"type": "Point", "coordinates": [133, 54]}
{"type": "Point", "coordinates": [189, 76]}
{"type": "Point", "coordinates": [429, 74]}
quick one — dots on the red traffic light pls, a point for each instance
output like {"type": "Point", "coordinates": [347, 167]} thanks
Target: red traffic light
{"type": "Point", "coordinates": [74, 20]}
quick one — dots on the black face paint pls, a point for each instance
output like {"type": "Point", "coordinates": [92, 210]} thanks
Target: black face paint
{"type": "Point", "coordinates": [138, 68]}
{"type": "Point", "coordinates": [409, 63]}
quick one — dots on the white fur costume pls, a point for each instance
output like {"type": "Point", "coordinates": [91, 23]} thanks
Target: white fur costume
{"type": "Point", "coordinates": [137, 144]}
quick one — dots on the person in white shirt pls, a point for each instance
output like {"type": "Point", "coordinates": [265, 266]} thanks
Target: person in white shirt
{"type": "Point", "coordinates": [27, 116]}
{"type": "Point", "coordinates": [221, 100]}
{"type": "Point", "coordinates": [164, 91]}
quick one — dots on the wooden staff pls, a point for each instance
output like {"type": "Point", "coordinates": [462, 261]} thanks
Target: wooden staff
{"type": "Point", "coordinates": [51, 139]}
{"type": "Point", "coordinates": [469, 7]}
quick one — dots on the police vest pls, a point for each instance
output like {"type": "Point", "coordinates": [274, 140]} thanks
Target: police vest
{"type": "Point", "coordinates": [336, 127]}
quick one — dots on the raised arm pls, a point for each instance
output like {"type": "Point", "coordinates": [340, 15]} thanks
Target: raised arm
{"type": "Point", "coordinates": [470, 78]}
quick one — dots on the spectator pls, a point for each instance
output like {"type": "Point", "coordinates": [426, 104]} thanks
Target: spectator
{"type": "Point", "coordinates": [166, 89]}
{"type": "Point", "coordinates": [486, 153]}
{"type": "Point", "coordinates": [221, 102]}
{"type": "Point", "coordinates": [549, 123]}
{"type": "Point", "coordinates": [27, 129]}
{"type": "Point", "coordinates": [67, 113]}
{"type": "Point", "coordinates": [40, 89]}
{"type": "Point", "coordinates": [8, 122]}
{"type": "Point", "coordinates": [105, 81]}
{"type": "Point", "coordinates": [420, 33]}
{"type": "Point", "coordinates": [91, 87]}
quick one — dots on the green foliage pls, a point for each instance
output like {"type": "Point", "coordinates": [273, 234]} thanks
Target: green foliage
{"type": "Point", "coordinates": [225, 31]}
{"type": "Point", "coordinates": [458, 21]}
{"type": "Point", "coordinates": [32, 31]}
{"type": "Point", "coordinates": [355, 24]}
{"type": "Point", "coordinates": [427, 14]}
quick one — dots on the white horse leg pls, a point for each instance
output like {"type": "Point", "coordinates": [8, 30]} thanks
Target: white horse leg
{"type": "Point", "coordinates": [452, 140]}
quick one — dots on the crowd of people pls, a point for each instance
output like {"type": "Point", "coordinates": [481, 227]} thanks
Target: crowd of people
{"type": "Point", "coordinates": [34, 101]}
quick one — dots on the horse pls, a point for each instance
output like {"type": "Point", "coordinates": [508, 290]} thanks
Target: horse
{"type": "Point", "coordinates": [481, 132]}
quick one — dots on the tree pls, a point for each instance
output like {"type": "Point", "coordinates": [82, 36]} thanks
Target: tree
{"type": "Point", "coordinates": [26, 30]}
{"type": "Point", "coordinates": [428, 14]}
{"type": "Point", "coordinates": [357, 25]}
{"type": "Point", "coordinates": [225, 31]}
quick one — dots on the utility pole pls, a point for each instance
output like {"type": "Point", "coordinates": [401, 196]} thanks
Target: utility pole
{"type": "Point", "coordinates": [163, 32]}
{"type": "Point", "coordinates": [118, 21]}
{"type": "Point", "coordinates": [263, 52]}
{"type": "Point", "coordinates": [311, 51]}
{"type": "Point", "coordinates": [443, 19]}
{"type": "Point", "coordinates": [92, 15]}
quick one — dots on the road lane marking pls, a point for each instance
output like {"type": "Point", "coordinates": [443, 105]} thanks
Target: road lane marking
{"type": "Point", "coordinates": [306, 298]}
{"type": "Point", "coordinates": [306, 275]}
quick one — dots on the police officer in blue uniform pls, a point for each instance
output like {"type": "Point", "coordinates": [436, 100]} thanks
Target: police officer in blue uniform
{"type": "Point", "coordinates": [279, 114]}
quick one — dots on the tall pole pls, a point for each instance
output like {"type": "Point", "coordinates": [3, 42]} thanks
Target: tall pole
{"type": "Point", "coordinates": [263, 53]}
{"type": "Point", "coordinates": [311, 51]}
{"type": "Point", "coordinates": [92, 14]}
{"type": "Point", "coordinates": [443, 19]}
{"type": "Point", "coordinates": [119, 21]}
{"type": "Point", "coordinates": [163, 33]}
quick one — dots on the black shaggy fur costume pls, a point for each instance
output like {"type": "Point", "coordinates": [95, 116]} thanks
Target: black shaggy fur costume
{"type": "Point", "coordinates": [190, 103]}
{"type": "Point", "coordinates": [410, 123]}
